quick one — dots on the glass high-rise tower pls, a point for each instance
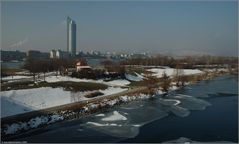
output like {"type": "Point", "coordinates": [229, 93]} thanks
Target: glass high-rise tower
{"type": "Point", "coordinates": [71, 36]}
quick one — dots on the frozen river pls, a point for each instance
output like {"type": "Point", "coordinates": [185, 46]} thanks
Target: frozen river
{"type": "Point", "coordinates": [205, 112]}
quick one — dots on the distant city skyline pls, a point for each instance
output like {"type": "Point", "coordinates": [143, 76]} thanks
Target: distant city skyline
{"type": "Point", "coordinates": [174, 27]}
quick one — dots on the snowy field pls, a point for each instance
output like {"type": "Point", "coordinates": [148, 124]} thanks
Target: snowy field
{"type": "Point", "coordinates": [21, 101]}
{"type": "Point", "coordinates": [60, 78]}
{"type": "Point", "coordinates": [158, 72]}
{"type": "Point", "coordinates": [136, 77]}
{"type": "Point", "coordinates": [52, 79]}
{"type": "Point", "coordinates": [16, 77]}
{"type": "Point", "coordinates": [118, 82]}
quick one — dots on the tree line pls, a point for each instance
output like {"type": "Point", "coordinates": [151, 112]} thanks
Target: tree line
{"type": "Point", "coordinates": [186, 62]}
{"type": "Point", "coordinates": [44, 66]}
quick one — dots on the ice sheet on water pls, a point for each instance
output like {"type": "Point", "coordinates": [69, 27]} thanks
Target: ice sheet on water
{"type": "Point", "coordinates": [113, 129]}
{"type": "Point", "coordinates": [184, 140]}
{"type": "Point", "coordinates": [119, 124]}
{"type": "Point", "coordinates": [116, 116]}
{"type": "Point", "coordinates": [181, 104]}
{"type": "Point", "coordinates": [125, 123]}
{"type": "Point", "coordinates": [179, 111]}
{"type": "Point", "coordinates": [191, 103]}
{"type": "Point", "coordinates": [100, 115]}
{"type": "Point", "coordinates": [169, 102]}
{"type": "Point", "coordinates": [171, 105]}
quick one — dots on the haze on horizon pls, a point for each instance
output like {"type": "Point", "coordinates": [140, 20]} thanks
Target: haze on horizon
{"type": "Point", "coordinates": [174, 27]}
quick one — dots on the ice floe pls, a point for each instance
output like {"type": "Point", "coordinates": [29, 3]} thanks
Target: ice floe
{"type": "Point", "coordinates": [184, 140]}
{"type": "Point", "coordinates": [116, 116]}
{"type": "Point", "coordinates": [100, 115]}
{"type": "Point", "coordinates": [190, 102]}
{"type": "Point", "coordinates": [140, 113]}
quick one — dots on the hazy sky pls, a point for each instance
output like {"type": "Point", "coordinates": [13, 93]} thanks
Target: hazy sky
{"type": "Point", "coordinates": [174, 27]}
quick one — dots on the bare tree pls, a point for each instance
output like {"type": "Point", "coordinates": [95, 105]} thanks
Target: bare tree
{"type": "Point", "coordinates": [32, 66]}
{"type": "Point", "coordinates": [165, 84]}
{"type": "Point", "coordinates": [179, 76]}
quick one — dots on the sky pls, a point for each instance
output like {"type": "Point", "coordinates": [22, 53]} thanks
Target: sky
{"type": "Point", "coordinates": [157, 27]}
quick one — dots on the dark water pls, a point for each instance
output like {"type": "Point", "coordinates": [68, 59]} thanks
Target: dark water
{"type": "Point", "coordinates": [148, 121]}
{"type": "Point", "coordinates": [12, 65]}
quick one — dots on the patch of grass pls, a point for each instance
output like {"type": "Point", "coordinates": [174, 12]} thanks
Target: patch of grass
{"type": "Point", "coordinates": [8, 71]}
{"type": "Point", "coordinates": [78, 86]}
{"type": "Point", "coordinates": [138, 83]}
{"type": "Point", "coordinates": [17, 85]}
{"type": "Point", "coordinates": [67, 85]}
{"type": "Point", "coordinates": [145, 82]}
{"type": "Point", "coordinates": [94, 94]}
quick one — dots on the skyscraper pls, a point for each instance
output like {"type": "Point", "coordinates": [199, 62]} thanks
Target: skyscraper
{"type": "Point", "coordinates": [71, 36]}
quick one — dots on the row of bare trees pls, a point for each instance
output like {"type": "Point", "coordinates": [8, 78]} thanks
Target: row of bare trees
{"type": "Point", "coordinates": [44, 66]}
{"type": "Point", "coordinates": [186, 62]}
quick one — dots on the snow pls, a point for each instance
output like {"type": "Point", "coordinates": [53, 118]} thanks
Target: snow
{"type": "Point", "coordinates": [112, 90]}
{"type": "Point", "coordinates": [100, 125]}
{"type": "Point", "coordinates": [96, 124]}
{"type": "Point", "coordinates": [11, 107]}
{"type": "Point", "coordinates": [137, 125]}
{"type": "Point", "coordinates": [26, 100]}
{"type": "Point", "coordinates": [160, 92]}
{"type": "Point", "coordinates": [100, 115]}
{"type": "Point", "coordinates": [158, 72]}
{"type": "Point", "coordinates": [116, 116]}
{"type": "Point", "coordinates": [140, 76]}
{"type": "Point", "coordinates": [133, 77]}
{"type": "Point", "coordinates": [173, 88]}
{"type": "Point", "coordinates": [59, 78]}
{"type": "Point", "coordinates": [118, 82]}
{"type": "Point", "coordinates": [32, 123]}
{"type": "Point", "coordinates": [55, 118]}
{"type": "Point", "coordinates": [16, 77]}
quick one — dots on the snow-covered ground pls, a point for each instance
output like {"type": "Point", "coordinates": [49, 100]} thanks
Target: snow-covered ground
{"type": "Point", "coordinates": [42, 120]}
{"type": "Point", "coordinates": [118, 82]}
{"type": "Point", "coordinates": [112, 90]}
{"type": "Point", "coordinates": [158, 72]}
{"type": "Point", "coordinates": [136, 77]}
{"type": "Point", "coordinates": [16, 77]}
{"type": "Point", "coordinates": [179, 105]}
{"type": "Point", "coordinates": [21, 101]}
{"type": "Point", "coordinates": [60, 78]}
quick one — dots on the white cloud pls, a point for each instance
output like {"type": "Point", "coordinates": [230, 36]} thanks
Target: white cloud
{"type": "Point", "coordinates": [19, 43]}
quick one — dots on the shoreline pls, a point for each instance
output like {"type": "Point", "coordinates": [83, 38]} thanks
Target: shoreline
{"type": "Point", "coordinates": [77, 111]}
{"type": "Point", "coordinates": [39, 130]}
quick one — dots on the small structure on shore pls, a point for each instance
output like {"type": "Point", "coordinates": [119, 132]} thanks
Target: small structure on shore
{"type": "Point", "coordinates": [81, 65]}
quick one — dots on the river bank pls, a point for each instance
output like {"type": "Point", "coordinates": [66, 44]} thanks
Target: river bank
{"type": "Point", "coordinates": [16, 124]}
{"type": "Point", "coordinates": [151, 121]}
